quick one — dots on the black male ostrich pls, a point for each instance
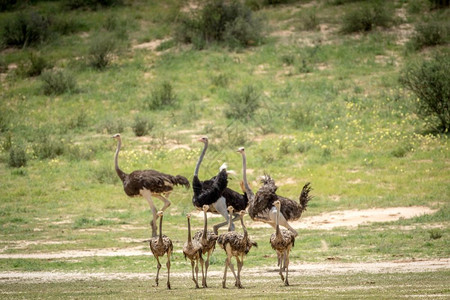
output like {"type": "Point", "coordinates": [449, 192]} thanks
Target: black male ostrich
{"type": "Point", "coordinates": [148, 183]}
{"type": "Point", "coordinates": [261, 205]}
{"type": "Point", "coordinates": [215, 193]}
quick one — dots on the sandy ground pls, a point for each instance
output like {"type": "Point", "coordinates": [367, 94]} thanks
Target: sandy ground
{"type": "Point", "coordinates": [347, 218]}
{"type": "Point", "coordinates": [306, 269]}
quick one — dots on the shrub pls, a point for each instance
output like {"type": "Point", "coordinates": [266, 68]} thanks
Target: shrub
{"type": "Point", "coordinates": [435, 233]}
{"type": "Point", "coordinates": [36, 65]}
{"type": "Point", "coordinates": [220, 21]}
{"type": "Point", "coordinates": [111, 125]}
{"type": "Point", "coordinates": [430, 34]}
{"type": "Point", "coordinates": [26, 29]}
{"type": "Point", "coordinates": [67, 25]}
{"type": "Point", "coordinates": [56, 82]}
{"type": "Point", "coordinates": [7, 4]}
{"type": "Point", "coordinates": [91, 4]}
{"type": "Point", "coordinates": [242, 105]}
{"type": "Point", "coordinates": [430, 82]}
{"type": "Point", "coordinates": [365, 18]}
{"type": "Point", "coordinates": [101, 50]}
{"type": "Point", "coordinates": [47, 147]}
{"type": "Point", "coordinates": [17, 157]}
{"type": "Point", "coordinates": [439, 3]}
{"type": "Point", "coordinates": [162, 96]}
{"type": "Point", "coordinates": [141, 125]}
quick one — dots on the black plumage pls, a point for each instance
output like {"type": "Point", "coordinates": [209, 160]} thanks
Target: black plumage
{"type": "Point", "coordinates": [209, 192]}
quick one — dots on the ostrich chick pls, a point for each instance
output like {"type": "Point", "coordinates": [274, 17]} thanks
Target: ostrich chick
{"type": "Point", "coordinates": [192, 249]}
{"type": "Point", "coordinates": [160, 245]}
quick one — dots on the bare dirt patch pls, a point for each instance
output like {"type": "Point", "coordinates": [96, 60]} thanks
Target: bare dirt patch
{"type": "Point", "coordinates": [297, 270]}
{"type": "Point", "coordinates": [353, 218]}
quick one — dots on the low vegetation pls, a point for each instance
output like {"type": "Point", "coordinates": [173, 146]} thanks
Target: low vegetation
{"type": "Point", "coordinates": [320, 94]}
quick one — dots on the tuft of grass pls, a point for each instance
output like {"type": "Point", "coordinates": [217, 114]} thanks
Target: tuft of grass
{"type": "Point", "coordinates": [162, 96]}
{"type": "Point", "coordinates": [242, 105]}
{"type": "Point", "coordinates": [36, 64]}
{"type": "Point", "coordinates": [56, 82]}
{"type": "Point", "coordinates": [101, 51]}
{"type": "Point", "coordinates": [142, 125]}
{"type": "Point", "coordinates": [435, 233]}
{"type": "Point", "coordinates": [366, 17]}
{"type": "Point", "coordinates": [17, 157]}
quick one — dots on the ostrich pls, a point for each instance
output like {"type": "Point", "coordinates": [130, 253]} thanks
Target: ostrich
{"type": "Point", "coordinates": [160, 245]}
{"type": "Point", "coordinates": [261, 206]}
{"type": "Point", "coordinates": [237, 245]}
{"type": "Point", "coordinates": [148, 183]}
{"type": "Point", "coordinates": [208, 241]}
{"type": "Point", "coordinates": [192, 249]}
{"type": "Point", "coordinates": [214, 192]}
{"type": "Point", "coordinates": [282, 241]}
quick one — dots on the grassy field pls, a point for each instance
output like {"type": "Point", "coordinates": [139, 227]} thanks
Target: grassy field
{"type": "Point", "coordinates": [326, 107]}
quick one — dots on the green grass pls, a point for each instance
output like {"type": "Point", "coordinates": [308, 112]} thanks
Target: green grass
{"type": "Point", "coordinates": [331, 112]}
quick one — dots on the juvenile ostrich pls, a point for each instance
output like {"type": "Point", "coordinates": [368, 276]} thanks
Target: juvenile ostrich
{"type": "Point", "coordinates": [237, 245]}
{"type": "Point", "coordinates": [282, 241]}
{"type": "Point", "coordinates": [192, 249]}
{"type": "Point", "coordinates": [261, 207]}
{"type": "Point", "coordinates": [215, 193]}
{"type": "Point", "coordinates": [160, 245]}
{"type": "Point", "coordinates": [208, 241]}
{"type": "Point", "coordinates": [148, 183]}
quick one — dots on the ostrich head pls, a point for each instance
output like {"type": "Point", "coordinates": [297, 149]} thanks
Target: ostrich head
{"type": "Point", "coordinates": [188, 216]}
{"type": "Point", "coordinates": [277, 204]}
{"type": "Point", "coordinates": [242, 213]}
{"type": "Point", "coordinates": [205, 208]}
{"type": "Point", "coordinates": [204, 140]}
{"type": "Point", "coordinates": [241, 150]}
{"type": "Point", "coordinates": [230, 209]}
{"type": "Point", "coordinates": [160, 213]}
{"type": "Point", "coordinates": [116, 136]}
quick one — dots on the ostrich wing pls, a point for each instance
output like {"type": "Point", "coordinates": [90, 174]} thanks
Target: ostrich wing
{"type": "Point", "coordinates": [152, 180]}
{"type": "Point", "coordinates": [262, 202]}
{"type": "Point", "coordinates": [211, 190]}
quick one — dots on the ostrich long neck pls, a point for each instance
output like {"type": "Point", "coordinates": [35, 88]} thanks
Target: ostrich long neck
{"type": "Point", "coordinates": [205, 230]}
{"type": "Point", "coordinates": [116, 161]}
{"type": "Point", "coordinates": [230, 220]}
{"type": "Point", "coordinates": [244, 176]}
{"type": "Point", "coordinates": [200, 159]}
{"type": "Point", "coordinates": [160, 230]}
{"type": "Point", "coordinates": [189, 231]}
{"type": "Point", "coordinates": [244, 228]}
{"type": "Point", "coordinates": [278, 232]}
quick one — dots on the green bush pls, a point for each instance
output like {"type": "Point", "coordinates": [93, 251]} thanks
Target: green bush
{"type": "Point", "coordinates": [17, 157]}
{"type": "Point", "coordinates": [47, 147]}
{"type": "Point", "coordinates": [430, 82]}
{"type": "Point", "coordinates": [90, 4]}
{"type": "Point", "coordinates": [219, 21]}
{"type": "Point", "coordinates": [101, 51]}
{"type": "Point", "coordinates": [7, 4]}
{"type": "Point", "coordinates": [430, 34]}
{"type": "Point", "coordinates": [242, 105]}
{"type": "Point", "coordinates": [26, 29]}
{"type": "Point", "coordinates": [111, 125]}
{"type": "Point", "coordinates": [141, 125]}
{"type": "Point", "coordinates": [35, 65]}
{"type": "Point", "coordinates": [302, 116]}
{"type": "Point", "coordinates": [366, 17]}
{"type": "Point", "coordinates": [162, 96]}
{"type": "Point", "coordinates": [56, 82]}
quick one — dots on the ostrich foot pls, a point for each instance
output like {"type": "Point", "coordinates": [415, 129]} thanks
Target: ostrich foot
{"type": "Point", "coordinates": [224, 285]}
{"type": "Point", "coordinates": [168, 285]}
{"type": "Point", "coordinates": [286, 283]}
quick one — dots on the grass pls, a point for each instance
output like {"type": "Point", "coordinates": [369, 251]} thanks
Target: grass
{"type": "Point", "coordinates": [330, 111]}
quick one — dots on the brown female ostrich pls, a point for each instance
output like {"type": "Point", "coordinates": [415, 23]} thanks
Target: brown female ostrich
{"type": "Point", "coordinates": [282, 241]}
{"type": "Point", "coordinates": [261, 206]}
{"type": "Point", "coordinates": [192, 249]}
{"type": "Point", "coordinates": [208, 241]}
{"type": "Point", "coordinates": [148, 183]}
{"type": "Point", "coordinates": [214, 192]}
{"type": "Point", "coordinates": [160, 245]}
{"type": "Point", "coordinates": [237, 245]}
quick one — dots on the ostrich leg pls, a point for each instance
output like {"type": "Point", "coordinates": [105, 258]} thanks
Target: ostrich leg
{"type": "Point", "coordinates": [286, 265]}
{"type": "Point", "coordinates": [221, 207]}
{"type": "Point", "coordinates": [168, 268]}
{"type": "Point", "coordinates": [157, 272]}
{"type": "Point", "coordinates": [165, 200]}
{"type": "Point", "coordinates": [147, 195]}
